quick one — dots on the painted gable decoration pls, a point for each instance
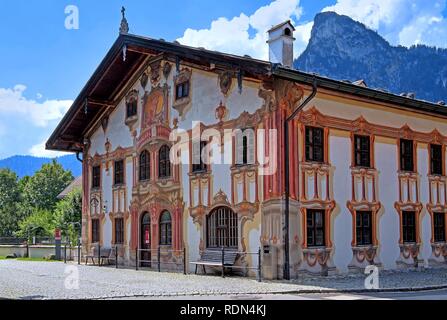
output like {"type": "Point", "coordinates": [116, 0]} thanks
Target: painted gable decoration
{"type": "Point", "coordinates": [155, 110]}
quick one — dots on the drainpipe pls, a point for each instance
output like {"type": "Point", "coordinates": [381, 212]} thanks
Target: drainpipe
{"type": "Point", "coordinates": [287, 178]}
{"type": "Point", "coordinates": [78, 158]}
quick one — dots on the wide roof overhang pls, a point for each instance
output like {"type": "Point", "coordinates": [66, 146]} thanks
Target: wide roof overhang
{"type": "Point", "coordinates": [109, 82]}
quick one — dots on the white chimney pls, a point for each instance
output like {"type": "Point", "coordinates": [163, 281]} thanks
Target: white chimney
{"type": "Point", "coordinates": [281, 44]}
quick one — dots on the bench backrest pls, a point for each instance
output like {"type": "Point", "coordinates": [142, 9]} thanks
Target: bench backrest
{"type": "Point", "coordinates": [216, 256]}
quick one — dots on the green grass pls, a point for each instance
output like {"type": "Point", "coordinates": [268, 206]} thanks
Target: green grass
{"type": "Point", "coordinates": [35, 259]}
{"type": "Point", "coordinates": [2, 258]}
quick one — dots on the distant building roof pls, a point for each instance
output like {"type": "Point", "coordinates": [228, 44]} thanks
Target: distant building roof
{"type": "Point", "coordinates": [76, 183]}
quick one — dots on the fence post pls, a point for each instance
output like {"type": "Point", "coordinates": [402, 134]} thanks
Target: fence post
{"type": "Point", "coordinates": [259, 265]}
{"type": "Point", "coordinates": [65, 253]}
{"type": "Point", "coordinates": [99, 255]}
{"type": "Point", "coordinates": [136, 259]}
{"type": "Point", "coordinates": [184, 260]}
{"type": "Point", "coordinates": [158, 259]}
{"type": "Point", "coordinates": [116, 257]}
{"type": "Point", "coordinates": [79, 252]}
{"type": "Point", "coordinates": [223, 262]}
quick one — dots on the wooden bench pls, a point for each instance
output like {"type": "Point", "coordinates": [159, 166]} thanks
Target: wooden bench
{"type": "Point", "coordinates": [108, 254]}
{"type": "Point", "coordinates": [216, 258]}
{"type": "Point", "coordinates": [92, 254]}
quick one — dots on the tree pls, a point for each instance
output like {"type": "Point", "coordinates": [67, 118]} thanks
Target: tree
{"type": "Point", "coordinates": [68, 215]}
{"type": "Point", "coordinates": [41, 223]}
{"type": "Point", "coordinates": [42, 189]}
{"type": "Point", "coordinates": [9, 201]}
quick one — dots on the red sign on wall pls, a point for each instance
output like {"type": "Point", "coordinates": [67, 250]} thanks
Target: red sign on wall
{"type": "Point", "coordinates": [57, 234]}
{"type": "Point", "coordinates": [146, 236]}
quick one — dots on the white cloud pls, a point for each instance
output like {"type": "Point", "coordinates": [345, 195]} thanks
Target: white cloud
{"type": "Point", "coordinates": [404, 22]}
{"type": "Point", "coordinates": [233, 36]}
{"type": "Point", "coordinates": [38, 150]}
{"type": "Point", "coordinates": [25, 123]}
{"type": "Point", "coordinates": [39, 114]}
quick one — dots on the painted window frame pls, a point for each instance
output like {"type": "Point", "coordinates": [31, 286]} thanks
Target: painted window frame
{"type": "Point", "coordinates": [439, 230]}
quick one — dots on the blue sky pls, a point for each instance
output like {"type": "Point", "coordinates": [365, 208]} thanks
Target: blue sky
{"type": "Point", "coordinates": [43, 66]}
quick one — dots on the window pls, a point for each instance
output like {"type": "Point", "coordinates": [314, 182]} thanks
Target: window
{"type": "Point", "coordinates": [363, 228]}
{"type": "Point", "coordinates": [436, 157]}
{"type": "Point", "coordinates": [222, 230]}
{"type": "Point", "coordinates": [315, 228]}
{"type": "Point", "coordinates": [198, 165]}
{"type": "Point", "coordinates": [362, 151]}
{"type": "Point", "coordinates": [439, 226]}
{"type": "Point", "coordinates": [182, 90]}
{"type": "Point", "coordinates": [96, 177]}
{"type": "Point", "coordinates": [119, 172]}
{"type": "Point", "coordinates": [164, 165]}
{"type": "Point", "coordinates": [131, 107]}
{"type": "Point", "coordinates": [145, 165]}
{"type": "Point", "coordinates": [95, 230]}
{"type": "Point", "coordinates": [119, 230]}
{"type": "Point", "coordinates": [409, 226]}
{"type": "Point", "coordinates": [245, 147]}
{"type": "Point", "coordinates": [406, 155]}
{"type": "Point", "coordinates": [165, 229]}
{"type": "Point", "coordinates": [314, 144]}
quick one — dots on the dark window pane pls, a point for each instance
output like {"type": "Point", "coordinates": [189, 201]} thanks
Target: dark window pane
{"type": "Point", "coordinates": [198, 164]}
{"type": "Point", "coordinates": [164, 164]}
{"type": "Point", "coordinates": [145, 166]}
{"type": "Point", "coordinates": [406, 155]}
{"type": "Point", "coordinates": [95, 230]}
{"type": "Point", "coordinates": [96, 177]}
{"type": "Point", "coordinates": [315, 228]}
{"type": "Point", "coordinates": [314, 144]}
{"type": "Point", "coordinates": [439, 226]}
{"type": "Point", "coordinates": [165, 229]}
{"type": "Point", "coordinates": [222, 228]}
{"type": "Point", "coordinates": [362, 152]}
{"type": "Point", "coordinates": [119, 172]}
{"type": "Point", "coordinates": [409, 226]}
{"type": "Point", "coordinates": [363, 227]}
{"type": "Point", "coordinates": [119, 230]}
{"type": "Point", "coordinates": [436, 156]}
{"type": "Point", "coordinates": [182, 90]}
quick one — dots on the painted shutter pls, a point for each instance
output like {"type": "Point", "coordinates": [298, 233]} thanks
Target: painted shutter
{"type": "Point", "coordinates": [239, 147]}
{"type": "Point", "coordinates": [251, 146]}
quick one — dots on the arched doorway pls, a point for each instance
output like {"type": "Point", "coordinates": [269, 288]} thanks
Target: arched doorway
{"type": "Point", "coordinates": [145, 241]}
{"type": "Point", "coordinates": [222, 229]}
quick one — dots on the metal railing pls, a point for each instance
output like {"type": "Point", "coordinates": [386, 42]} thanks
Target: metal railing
{"type": "Point", "coordinates": [258, 268]}
{"type": "Point", "coordinates": [139, 262]}
{"type": "Point", "coordinates": [71, 257]}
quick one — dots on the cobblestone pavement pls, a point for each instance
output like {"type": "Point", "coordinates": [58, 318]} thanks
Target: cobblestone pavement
{"type": "Point", "coordinates": [48, 280]}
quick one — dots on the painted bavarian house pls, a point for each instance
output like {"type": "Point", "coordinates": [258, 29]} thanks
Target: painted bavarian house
{"type": "Point", "coordinates": [359, 179]}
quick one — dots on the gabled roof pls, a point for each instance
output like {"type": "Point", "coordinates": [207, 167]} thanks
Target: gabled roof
{"type": "Point", "coordinates": [103, 89]}
{"type": "Point", "coordinates": [108, 83]}
{"type": "Point", "coordinates": [76, 183]}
